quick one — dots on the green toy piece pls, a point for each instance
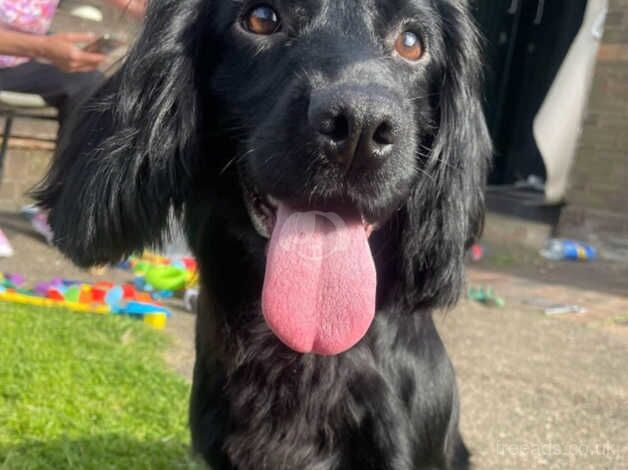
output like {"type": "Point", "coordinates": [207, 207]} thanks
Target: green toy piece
{"type": "Point", "coordinates": [486, 296]}
{"type": "Point", "coordinates": [72, 294]}
{"type": "Point", "coordinates": [167, 278]}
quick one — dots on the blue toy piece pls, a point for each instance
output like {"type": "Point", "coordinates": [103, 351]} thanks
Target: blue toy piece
{"type": "Point", "coordinates": [114, 299]}
{"type": "Point", "coordinates": [141, 284]}
{"type": "Point", "coordinates": [162, 294]}
{"type": "Point", "coordinates": [141, 308]}
{"type": "Point", "coordinates": [125, 265]}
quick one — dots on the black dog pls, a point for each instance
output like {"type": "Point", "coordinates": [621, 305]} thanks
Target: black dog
{"type": "Point", "coordinates": [350, 133]}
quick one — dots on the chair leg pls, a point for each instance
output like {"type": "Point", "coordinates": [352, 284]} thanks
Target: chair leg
{"type": "Point", "coordinates": [8, 124]}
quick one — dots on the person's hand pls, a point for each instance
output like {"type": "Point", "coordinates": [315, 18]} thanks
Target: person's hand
{"type": "Point", "coordinates": [63, 51]}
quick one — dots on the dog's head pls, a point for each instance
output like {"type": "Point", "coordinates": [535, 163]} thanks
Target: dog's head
{"type": "Point", "coordinates": [340, 119]}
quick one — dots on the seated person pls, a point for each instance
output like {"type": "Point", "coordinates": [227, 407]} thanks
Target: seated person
{"type": "Point", "coordinates": [53, 66]}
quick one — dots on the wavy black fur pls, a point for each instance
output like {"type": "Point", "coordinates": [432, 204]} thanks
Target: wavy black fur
{"type": "Point", "coordinates": [199, 103]}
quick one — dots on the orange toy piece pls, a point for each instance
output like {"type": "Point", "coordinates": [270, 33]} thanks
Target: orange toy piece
{"type": "Point", "coordinates": [144, 297]}
{"type": "Point", "coordinates": [85, 296]}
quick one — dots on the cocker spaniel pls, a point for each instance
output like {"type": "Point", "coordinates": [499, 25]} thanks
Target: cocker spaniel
{"type": "Point", "coordinates": [328, 158]}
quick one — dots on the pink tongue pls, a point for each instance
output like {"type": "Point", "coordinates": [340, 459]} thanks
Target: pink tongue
{"type": "Point", "coordinates": [319, 289]}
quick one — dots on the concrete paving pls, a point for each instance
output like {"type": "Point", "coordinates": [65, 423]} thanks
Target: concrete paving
{"type": "Point", "coordinates": [536, 391]}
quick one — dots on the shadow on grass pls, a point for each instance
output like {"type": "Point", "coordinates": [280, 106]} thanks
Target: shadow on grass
{"type": "Point", "coordinates": [107, 451]}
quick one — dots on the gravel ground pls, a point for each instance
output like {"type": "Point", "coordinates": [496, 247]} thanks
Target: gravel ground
{"type": "Point", "coordinates": [536, 391]}
{"type": "Point", "coordinates": [539, 392]}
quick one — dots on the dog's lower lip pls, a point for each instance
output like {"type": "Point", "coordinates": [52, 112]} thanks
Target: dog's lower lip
{"type": "Point", "coordinates": [368, 227]}
{"type": "Point", "coordinates": [268, 212]}
{"type": "Point", "coordinates": [261, 209]}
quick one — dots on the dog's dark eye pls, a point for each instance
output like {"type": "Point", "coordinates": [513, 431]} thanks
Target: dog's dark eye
{"type": "Point", "coordinates": [409, 46]}
{"type": "Point", "coordinates": [262, 20]}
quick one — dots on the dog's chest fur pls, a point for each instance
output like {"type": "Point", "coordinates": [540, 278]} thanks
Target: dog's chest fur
{"type": "Point", "coordinates": [376, 407]}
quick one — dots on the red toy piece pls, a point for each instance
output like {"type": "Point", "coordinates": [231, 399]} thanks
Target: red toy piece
{"type": "Point", "coordinates": [98, 294]}
{"type": "Point", "coordinates": [55, 294]}
{"type": "Point", "coordinates": [129, 292]}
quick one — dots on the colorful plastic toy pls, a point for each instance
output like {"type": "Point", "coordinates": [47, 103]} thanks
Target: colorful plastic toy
{"type": "Point", "coordinates": [168, 278]}
{"type": "Point", "coordinates": [101, 298]}
{"type": "Point", "coordinates": [156, 278]}
{"type": "Point", "coordinates": [160, 276]}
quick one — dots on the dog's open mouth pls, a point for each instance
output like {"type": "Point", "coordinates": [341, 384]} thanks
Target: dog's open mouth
{"type": "Point", "coordinates": [320, 281]}
{"type": "Point", "coordinates": [262, 211]}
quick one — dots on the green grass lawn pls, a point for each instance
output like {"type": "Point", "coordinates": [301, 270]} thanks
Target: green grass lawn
{"type": "Point", "coordinates": [87, 391]}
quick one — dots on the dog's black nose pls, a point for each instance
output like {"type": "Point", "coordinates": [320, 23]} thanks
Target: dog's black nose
{"type": "Point", "coordinates": [356, 129]}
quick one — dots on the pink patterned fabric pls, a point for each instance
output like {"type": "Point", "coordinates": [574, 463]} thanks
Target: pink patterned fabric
{"type": "Point", "coordinates": [26, 16]}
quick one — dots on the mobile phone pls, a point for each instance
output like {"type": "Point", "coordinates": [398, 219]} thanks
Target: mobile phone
{"type": "Point", "coordinates": [105, 44]}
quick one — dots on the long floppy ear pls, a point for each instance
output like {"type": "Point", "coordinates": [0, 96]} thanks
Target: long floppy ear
{"type": "Point", "coordinates": [124, 162]}
{"type": "Point", "coordinates": [445, 212]}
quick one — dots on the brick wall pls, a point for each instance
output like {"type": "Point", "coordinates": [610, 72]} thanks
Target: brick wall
{"type": "Point", "coordinates": [598, 197]}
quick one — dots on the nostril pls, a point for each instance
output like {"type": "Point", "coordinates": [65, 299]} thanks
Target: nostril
{"type": "Point", "coordinates": [335, 127]}
{"type": "Point", "coordinates": [383, 135]}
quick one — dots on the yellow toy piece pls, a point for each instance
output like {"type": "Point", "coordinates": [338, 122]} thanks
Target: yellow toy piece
{"type": "Point", "coordinates": [22, 299]}
{"type": "Point", "coordinates": [156, 320]}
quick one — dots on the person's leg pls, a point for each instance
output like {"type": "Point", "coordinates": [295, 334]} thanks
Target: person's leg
{"type": "Point", "coordinates": [62, 90]}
